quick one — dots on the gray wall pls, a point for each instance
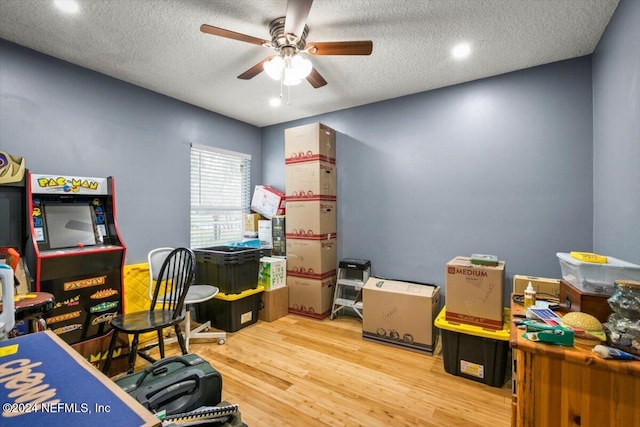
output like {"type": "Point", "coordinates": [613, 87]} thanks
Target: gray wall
{"type": "Point", "coordinates": [501, 166]}
{"type": "Point", "coordinates": [68, 120]}
{"type": "Point", "coordinates": [616, 136]}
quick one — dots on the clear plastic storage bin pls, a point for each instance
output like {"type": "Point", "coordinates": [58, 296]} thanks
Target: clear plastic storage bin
{"type": "Point", "coordinates": [596, 277]}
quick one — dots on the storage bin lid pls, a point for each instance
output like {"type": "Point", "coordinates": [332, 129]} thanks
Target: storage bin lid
{"type": "Point", "coordinates": [611, 262]}
{"type": "Point", "coordinates": [501, 335]}
{"type": "Point", "coordinates": [236, 297]}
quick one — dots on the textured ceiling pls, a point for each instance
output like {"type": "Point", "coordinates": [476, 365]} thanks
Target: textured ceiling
{"type": "Point", "coordinates": [157, 44]}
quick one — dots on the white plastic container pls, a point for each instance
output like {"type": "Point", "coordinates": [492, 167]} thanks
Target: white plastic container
{"type": "Point", "coordinates": [596, 277]}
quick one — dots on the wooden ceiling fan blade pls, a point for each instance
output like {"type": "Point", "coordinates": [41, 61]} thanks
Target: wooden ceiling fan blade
{"type": "Point", "coordinates": [216, 31]}
{"type": "Point", "coordinates": [364, 47]}
{"type": "Point", "coordinates": [316, 79]}
{"type": "Point", "coordinates": [296, 17]}
{"type": "Point", "coordinates": [255, 70]}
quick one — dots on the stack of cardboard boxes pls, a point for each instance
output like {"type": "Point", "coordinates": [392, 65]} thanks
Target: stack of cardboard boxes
{"type": "Point", "coordinates": [267, 226]}
{"type": "Point", "coordinates": [311, 224]}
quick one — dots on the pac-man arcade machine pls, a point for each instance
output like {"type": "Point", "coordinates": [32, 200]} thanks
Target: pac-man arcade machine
{"type": "Point", "coordinates": [74, 251]}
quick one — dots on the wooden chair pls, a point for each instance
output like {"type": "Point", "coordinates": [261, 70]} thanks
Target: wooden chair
{"type": "Point", "coordinates": [196, 295]}
{"type": "Point", "coordinates": [166, 310]}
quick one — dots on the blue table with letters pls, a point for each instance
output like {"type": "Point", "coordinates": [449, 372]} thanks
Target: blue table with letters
{"type": "Point", "coordinates": [44, 382]}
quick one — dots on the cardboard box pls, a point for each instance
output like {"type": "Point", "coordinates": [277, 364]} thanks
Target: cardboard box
{"type": "Point", "coordinates": [278, 226]}
{"type": "Point", "coordinates": [250, 225]}
{"type": "Point", "coordinates": [400, 313]}
{"type": "Point", "coordinates": [265, 234]}
{"type": "Point", "coordinates": [474, 293]}
{"type": "Point", "coordinates": [311, 297]}
{"type": "Point", "coordinates": [311, 219]}
{"type": "Point", "coordinates": [313, 259]}
{"type": "Point", "coordinates": [273, 273]}
{"type": "Point", "coordinates": [279, 247]}
{"type": "Point", "coordinates": [278, 232]}
{"type": "Point", "coordinates": [310, 142]}
{"type": "Point", "coordinates": [274, 304]}
{"type": "Point", "coordinates": [267, 201]}
{"type": "Point", "coordinates": [542, 285]}
{"type": "Point", "coordinates": [310, 179]}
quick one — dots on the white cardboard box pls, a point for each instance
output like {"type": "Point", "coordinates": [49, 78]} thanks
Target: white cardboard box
{"type": "Point", "coordinates": [272, 273]}
{"type": "Point", "coordinates": [267, 201]}
{"type": "Point", "coordinates": [265, 233]}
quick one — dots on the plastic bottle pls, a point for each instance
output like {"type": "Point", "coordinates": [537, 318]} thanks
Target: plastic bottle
{"type": "Point", "coordinates": [529, 296]}
{"type": "Point", "coordinates": [613, 353]}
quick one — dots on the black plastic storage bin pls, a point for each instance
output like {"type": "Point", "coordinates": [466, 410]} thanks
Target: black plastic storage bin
{"type": "Point", "coordinates": [231, 312]}
{"type": "Point", "coordinates": [231, 269]}
{"type": "Point", "coordinates": [472, 352]}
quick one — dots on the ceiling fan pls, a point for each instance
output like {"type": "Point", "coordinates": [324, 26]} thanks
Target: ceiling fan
{"type": "Point", "coordinates": [289, 40]}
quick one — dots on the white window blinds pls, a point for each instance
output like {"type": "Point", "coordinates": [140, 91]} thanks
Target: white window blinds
{"type": "Point", "coordinates": [220, 195]}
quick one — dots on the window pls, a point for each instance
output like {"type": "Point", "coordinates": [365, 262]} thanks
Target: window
{"type": "Point", "coordinates": [220, 195]}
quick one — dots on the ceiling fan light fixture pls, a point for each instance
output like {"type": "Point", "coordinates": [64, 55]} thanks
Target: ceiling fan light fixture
{"type": "Point", "coordinates": [302, 66]}
{"type": "Point", "coordinates": [290, 77]}
{"type": "Point", "coordinates": [274, 67]}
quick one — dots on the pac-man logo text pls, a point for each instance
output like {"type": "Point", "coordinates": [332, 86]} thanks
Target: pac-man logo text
{"type": "Point", "coordinates": [69, 302]}
{"type": "Point", "coordinates": [63, 317]}
{"type": "Point", "coordinates": [48, 182]}
{"type": "Point", "coordinates": [68, 328]}
{"type": "Point", "coordinates": [84, 283]}
{"type": "Point", "coordinates": [103, 318]}
{"type": "Point", "coordinates": [103, 306]}
{"type": "Point", "coordinates": [104, 293]}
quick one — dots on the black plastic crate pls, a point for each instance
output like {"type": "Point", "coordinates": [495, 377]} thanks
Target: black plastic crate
{"type": "Point", "coordinates": [231, 312]}
{"type": "Point", "coordinates": [476, 358]}
{"type": "Point", "coordinates": [231, 269]}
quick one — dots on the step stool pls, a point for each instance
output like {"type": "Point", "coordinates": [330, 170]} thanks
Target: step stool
{"type": "Point", "coordinates": [352, 275]}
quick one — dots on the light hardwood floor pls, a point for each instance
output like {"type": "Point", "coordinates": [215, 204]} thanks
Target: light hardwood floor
{"type": "Point", "coordinates": [298, 371]}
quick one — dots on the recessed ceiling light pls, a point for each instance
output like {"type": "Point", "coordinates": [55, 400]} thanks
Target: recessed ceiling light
{"type": "Point", "coordinates": [275, 102]}
{"type": "Point", "coordinates": [67, 6]}
{"type": "Point", "coordinates": [461, 51]}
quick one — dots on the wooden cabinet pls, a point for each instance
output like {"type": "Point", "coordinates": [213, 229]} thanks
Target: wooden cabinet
{"type": "Point", "coordinates": [570, 386]}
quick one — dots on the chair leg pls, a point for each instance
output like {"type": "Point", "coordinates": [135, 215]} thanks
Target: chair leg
{"type": "Point", "coordinates": [112, 347]}
{"type": "Point", "coordinates": [181, 339]}
{"type": "Point", "coordinates": [161, 343]}
{"type": "Point", "coordinates": [133, 354]}
{"type": "Point", "coordinates": [187, 328]}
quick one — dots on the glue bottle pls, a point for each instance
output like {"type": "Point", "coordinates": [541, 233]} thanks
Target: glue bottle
{"type": "Point", "coordinates": [529, 297]}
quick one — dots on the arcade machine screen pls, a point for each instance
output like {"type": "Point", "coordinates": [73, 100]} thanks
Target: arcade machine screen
{"type": "Point", "coordinates": [69, 224]}
{"type": "Point", "coordinates": [12, 230]}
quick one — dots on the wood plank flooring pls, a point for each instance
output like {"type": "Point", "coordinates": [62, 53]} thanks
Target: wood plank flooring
{"type": "Point", "coordinates": [297, 371]}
